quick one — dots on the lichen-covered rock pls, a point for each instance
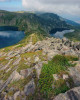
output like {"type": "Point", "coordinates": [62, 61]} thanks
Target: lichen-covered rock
{"type": "Point", "coordinates": [29, 88]}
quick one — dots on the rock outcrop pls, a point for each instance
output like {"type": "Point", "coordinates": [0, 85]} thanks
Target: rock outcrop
{"type": "Point", "coordinates": [24, 65]}
{"type": "Point", "coordinates": [73, 94]}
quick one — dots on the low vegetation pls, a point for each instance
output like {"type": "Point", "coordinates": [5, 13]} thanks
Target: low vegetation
{"type": "Point", "coordinates": [58, 65]}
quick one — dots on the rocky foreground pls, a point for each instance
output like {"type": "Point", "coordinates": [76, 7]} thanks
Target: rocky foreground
{"type": "Point", "coordinates": [20, 67]}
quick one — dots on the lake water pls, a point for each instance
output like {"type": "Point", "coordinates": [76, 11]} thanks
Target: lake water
{"type": "Point", "coordinates": [8, 38]}
{"type": "Point", "coordinates": [61, 33]}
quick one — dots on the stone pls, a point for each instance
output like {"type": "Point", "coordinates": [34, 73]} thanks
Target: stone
{"type": "Point", "coordinates": [1, 82]}
{"type": "Point", "coordinates": [38, 68]}
{"type": "Point", "coordinates": [16, 76]}
{"type": "Point", "coordinates": [74, 72]}
{"type": "Point", "coordinates": [65, 76]}
{"type": "Point", "coordinates": [29, 58]}
{"type": "Point", "coordinates": [16, 95]}
{"type": "Point", "coordinates": [51, 54]}
{"type": "Point", "coordinates": [36, 59]}
{"type": "Point", "coordinates": [26, 72]}
{"type": "Point", "coordinates": [55, 76]}
{"type": "Point", "coordinates": [29, 88]}
{"type": "Point", "coordinates": [73, 94]}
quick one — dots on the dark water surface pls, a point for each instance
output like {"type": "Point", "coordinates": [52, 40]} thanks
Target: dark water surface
{"type": "Point", "coordinates": [10, 36]}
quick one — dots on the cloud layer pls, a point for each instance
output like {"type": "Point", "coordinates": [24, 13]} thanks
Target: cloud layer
{"type": "Point", "coordinates": [57, 6]}
{"type": "Point", "coordinates": [63, 7]}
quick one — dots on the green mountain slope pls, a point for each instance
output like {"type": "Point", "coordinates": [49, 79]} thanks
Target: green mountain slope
{"type": "Point", "coordinates": [31, 22]}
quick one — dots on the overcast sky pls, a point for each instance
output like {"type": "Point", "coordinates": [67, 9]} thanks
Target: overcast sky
{"type": "Point", "coordinates": [66, 8]}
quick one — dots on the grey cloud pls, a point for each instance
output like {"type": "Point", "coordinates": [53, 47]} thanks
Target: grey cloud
{"type": "Point", "coordinates": [56, 6]}
{"type": "Point", "coordinates": [60, 1]}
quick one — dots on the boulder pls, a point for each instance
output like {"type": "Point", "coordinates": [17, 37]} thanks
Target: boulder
{"type": "Point", "coordinates": [65, 76]}
{"type": "Point", "coordinates": [73, 94]}
{"type": "Point", "coordinates": [75, 74]}
{"type": "Point", "coordinates": [55, 76]}
{"type": "Point", "coordinates": [16, 76]}
{"type": "Point", "coordinates": [29, 88]}
{"type": "Point", "coordinates": [16, 95]}
{"type": "Point", "coordinates": [26, 72]}
{"type": "Point", "coordinates": [36, 59]}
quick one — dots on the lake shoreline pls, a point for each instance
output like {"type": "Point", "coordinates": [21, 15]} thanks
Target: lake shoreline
{"type": "Point", "coordinates": [60, 34]}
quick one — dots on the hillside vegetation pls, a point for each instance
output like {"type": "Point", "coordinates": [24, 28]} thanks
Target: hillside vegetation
{"type": "Point", "coordinates": [30, 22]}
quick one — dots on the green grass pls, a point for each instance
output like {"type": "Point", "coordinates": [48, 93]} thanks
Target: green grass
{"type": "Point", "coordinates": [60, 86]}
{"type": "Point", "coordinates": [57, 65]}
{"type": "Point", "coordinates": [72, 58]}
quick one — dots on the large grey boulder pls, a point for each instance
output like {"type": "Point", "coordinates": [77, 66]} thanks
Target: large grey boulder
{"type": "Point", "coordinates": [75, 74]}
{"type": "Point", "coordinates": [29, 88]}
{"type": "Point", "coordinates": [73, 94]}
{"type": "Point", "coordinates": [26, 72]}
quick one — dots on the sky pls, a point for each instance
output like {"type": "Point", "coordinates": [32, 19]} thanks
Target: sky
{"type": "Point", "coordinates": [69, 9]}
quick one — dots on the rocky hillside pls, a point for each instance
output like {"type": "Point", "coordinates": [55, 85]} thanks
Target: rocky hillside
{"type": "Point", "coordinates": [40, 70]}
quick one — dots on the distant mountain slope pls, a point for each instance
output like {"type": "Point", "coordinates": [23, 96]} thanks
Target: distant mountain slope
{"type": "Point", "coordinates": [31, 22]}
{"type": "Point", "coordinates": [72, 22]}
{"type": "Point", "coordinates": [54, 19]}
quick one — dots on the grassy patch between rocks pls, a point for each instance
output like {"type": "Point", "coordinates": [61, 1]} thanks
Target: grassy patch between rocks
{"type": "Point", "coordinates": [58, 64]}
